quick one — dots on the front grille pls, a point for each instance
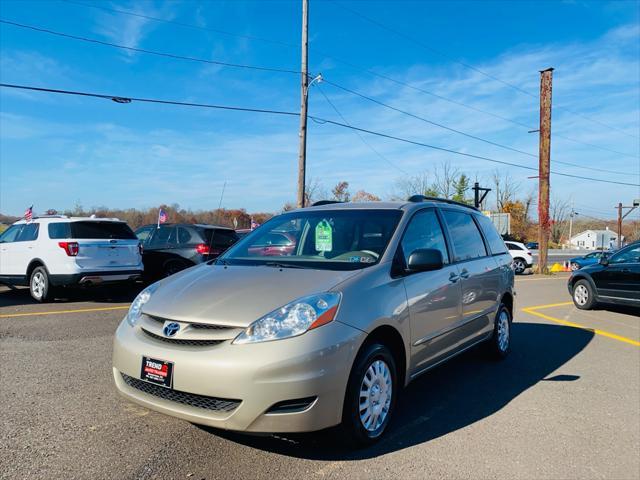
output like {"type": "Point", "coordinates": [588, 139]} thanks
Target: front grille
{"type": "Point", "coordinates": [182, 341]}
{"type": "Point", "coordinates": [191, 399]}
{"type": "Point", "coordinates": [193, 325]}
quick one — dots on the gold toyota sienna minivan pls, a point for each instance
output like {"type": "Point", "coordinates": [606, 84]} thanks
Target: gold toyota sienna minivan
{"type": "Point", "coordinates": [319, 317]}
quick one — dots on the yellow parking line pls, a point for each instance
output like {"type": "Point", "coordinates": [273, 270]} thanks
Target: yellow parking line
{"type": "Point", "coordinates": [532, 311]}
{"type": "Point", "coordinates": [58, 312]}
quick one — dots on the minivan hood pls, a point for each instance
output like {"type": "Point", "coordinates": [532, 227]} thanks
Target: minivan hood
{"type": "Point", "coordinates": [236, 295]}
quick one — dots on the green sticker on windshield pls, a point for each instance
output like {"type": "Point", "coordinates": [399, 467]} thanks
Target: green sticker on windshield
{"type": "Point", "coordinates": [324, 237]}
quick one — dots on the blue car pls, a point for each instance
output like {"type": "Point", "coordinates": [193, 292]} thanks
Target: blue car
{"type": "Point", "coordinates": [594, 257]}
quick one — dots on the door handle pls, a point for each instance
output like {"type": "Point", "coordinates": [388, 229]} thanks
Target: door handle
{"type": "Point", "coordinates": [464, 273]}
{"type": "Point", "coordinates": [453, 278]}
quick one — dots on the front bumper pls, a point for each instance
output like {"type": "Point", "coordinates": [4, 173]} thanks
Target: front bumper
{"type": "Point", "coordinates": [316, 364]}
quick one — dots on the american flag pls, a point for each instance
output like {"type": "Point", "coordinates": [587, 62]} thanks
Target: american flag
{"type": "Point", "coordinates": [254, 224]}
{"type": "Point", "coordinates": [162, 217]}
{"type": "Point", "coordinates": [28, 214]}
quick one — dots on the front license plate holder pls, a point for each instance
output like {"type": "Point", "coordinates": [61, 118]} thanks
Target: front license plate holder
{"type": "Point", "coordinates": [158, 372]}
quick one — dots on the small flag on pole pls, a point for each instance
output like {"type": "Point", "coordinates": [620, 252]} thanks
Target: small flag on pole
{"type": "Point", "coordinates": [162, 217]}
{"type": "Point", "coordinates": [28, 214]}
{"type": "Point", "coordinates": [254, 224]}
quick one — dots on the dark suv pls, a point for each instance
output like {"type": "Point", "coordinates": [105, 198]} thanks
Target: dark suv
{"type": "Point", "coordinates": [614, 279]}
{"type": "Point", "coordinates": [173, 247]}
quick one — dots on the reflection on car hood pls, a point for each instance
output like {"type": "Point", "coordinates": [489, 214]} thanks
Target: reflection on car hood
{"type": "Point", "coordinates": [236, 295]}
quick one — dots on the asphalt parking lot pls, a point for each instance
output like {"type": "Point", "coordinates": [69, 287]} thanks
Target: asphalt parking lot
{"type": "Point", "coordinates": [565, 404]}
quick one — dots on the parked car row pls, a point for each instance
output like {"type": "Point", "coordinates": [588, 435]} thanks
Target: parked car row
{"type": "Point", "coordinates": [53, 252]}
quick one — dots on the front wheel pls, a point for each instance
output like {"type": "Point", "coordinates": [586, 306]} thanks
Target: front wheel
{"type": "Point", "coordinates": [583, 296]}
{"type": "Point", "coordinates": [499, 345]}
{"type": "Point", "coordinates": [371, 394]}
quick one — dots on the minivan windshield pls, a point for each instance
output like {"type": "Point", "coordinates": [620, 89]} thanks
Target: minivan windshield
{"type": "Point", "coordinates": [322, 239]}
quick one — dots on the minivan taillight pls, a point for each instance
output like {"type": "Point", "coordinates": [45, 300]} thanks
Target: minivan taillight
{"type": "Point", "coordinates": [202, 249]}
{"type": "Point", "coordinates": [71, 248]}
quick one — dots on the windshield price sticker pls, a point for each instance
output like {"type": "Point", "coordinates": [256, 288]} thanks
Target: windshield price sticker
{"type": "Point", "coordinates": [324, 237]}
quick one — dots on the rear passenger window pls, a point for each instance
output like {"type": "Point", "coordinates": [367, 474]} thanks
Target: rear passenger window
{"type": "Point", "coordinates": [465, 236]}
{"type": "Point", "coordinates": [496, 244]}
{"type": "Point", "coordinates": [513, 246]}
{"type": "Point", "coordinates": [184, 236]}
{"type": "Point", "coordinates": [59, 230]}
{"type": "Point", "coordinates": [161, 236]}
{"type": "Point", "coordinates": [225, 238]}
{"type": "Point", "coordinates": [28, 233]}
{"type": "Point", "coordinates": [101, 230]}
{"type": "Point", "coordinates": [424, 231]}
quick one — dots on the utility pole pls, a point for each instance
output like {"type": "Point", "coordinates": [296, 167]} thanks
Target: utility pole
{"type": "Point", "coordinates": [304, 87]}
{"type": "Point", "coordinates": [571, 215]}
{"type": "Point", "coordinates": [477, 199]}
{"type": "Point", "coordinates": [621, 217]}
{"type": "Point", "coordinates": [544, 167]}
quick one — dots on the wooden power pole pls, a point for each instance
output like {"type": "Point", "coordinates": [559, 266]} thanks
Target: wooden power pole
{"type": "Point", "coordinates": [304, 87]}
{"type": "Point", "coordinates": [544, 226]}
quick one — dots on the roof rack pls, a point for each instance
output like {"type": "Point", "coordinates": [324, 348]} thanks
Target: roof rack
{"type": "Point", "coordinates": [424, 198]}
{"type": "Point", "coordinates": [48, 216]}
{"type": "Point", "coordinates": [325, 202]}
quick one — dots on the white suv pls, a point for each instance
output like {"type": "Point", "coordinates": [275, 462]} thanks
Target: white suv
{"type": "Point", "coordinates": [522, 257]}
{"type": "Point", "coordinates": [57, 251]}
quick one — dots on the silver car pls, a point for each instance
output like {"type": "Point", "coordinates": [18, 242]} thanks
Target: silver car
{"type": "Point", "coordinates": [324, 330]}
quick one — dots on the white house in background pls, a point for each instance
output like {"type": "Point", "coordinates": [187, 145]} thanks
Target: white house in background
{"type": "Point", "coordinates": [594, 240]}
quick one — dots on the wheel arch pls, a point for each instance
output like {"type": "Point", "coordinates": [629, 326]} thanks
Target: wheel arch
{"type": "Point", "coordinates": [33, 264]}
{"type": "Point", "coordinates": [391, 337]}
{"type": "Point", "coordinates": [507, 300]}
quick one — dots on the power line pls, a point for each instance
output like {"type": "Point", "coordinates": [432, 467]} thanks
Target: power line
{"type": "Point", "coordinates": [391, 107]}
{"type": "Point", "coordinates": [119, 99]}
{"type": "Point", "coordinates": [362, 139]}
{"type": "Point", "coordinates": [345, 62]}
{"type": "Point", "coordinates": [182, 24]}
{"type": "Point", "coordinates": [470, 67]}
{"type": "Point", "coordinates": [142, 50]}
{"type": "Point", "coordinates": [426, 120]}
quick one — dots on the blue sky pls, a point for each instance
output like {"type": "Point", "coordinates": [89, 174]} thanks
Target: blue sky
{"type": "Point", "coordinates": [59, 150]}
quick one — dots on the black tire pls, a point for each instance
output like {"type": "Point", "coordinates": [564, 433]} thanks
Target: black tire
{"type": "Point", "coordinates": [583, 295]}
{"type": "Point", "coordinates": [172, 267]}
{"type": "Point", "coordinates": [519, 266]}
{"type": "Point", "coordinates": [498, 346]}
{"type": "Point", "coordinates": [351, 418]}
{"type": "Point", "coordinates": [39, 286]}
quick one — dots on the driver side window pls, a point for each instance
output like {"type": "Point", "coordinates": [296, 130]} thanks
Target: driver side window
{"type": "Point", "coordinates": [424, 231]}
{"type": "Point", "coordinates": [11, 234]}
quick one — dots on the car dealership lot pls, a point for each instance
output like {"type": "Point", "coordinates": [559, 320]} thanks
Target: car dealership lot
{"type": "Point", "coordinates": [563, 405]}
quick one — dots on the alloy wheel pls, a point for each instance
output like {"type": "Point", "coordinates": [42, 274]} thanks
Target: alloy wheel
{"type": "Point", "coordinates": [38, 284]}
{"type": "Point", "coordinates": [581, 295]}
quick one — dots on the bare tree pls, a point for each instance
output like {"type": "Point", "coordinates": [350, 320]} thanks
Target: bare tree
{"type": "Point", "coordinates": [413, 185]}
{"type": "Point", "coordinates": [505, 189]}
{"type": "Point", "coordinates": [314, 191]}
{"type": "Point", "coordinates": [445, 180]}
{"type": "Point", "coordinates": [559, 210]}
{"type": "Point", "coordinates": [362, 196]}
{"type": "Point", "coordinates": [341, 192]}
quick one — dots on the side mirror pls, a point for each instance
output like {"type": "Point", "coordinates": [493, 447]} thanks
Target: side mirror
{"type": "Point", "coordinates": [604, 260]}
{"type": "Point", "coordinates": [425, 260]}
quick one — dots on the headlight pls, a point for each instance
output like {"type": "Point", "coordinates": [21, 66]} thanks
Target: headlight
{"type": "Point", "coordinates": [135, 310]}
{"type": "Point", "coordinates": [293, 319]}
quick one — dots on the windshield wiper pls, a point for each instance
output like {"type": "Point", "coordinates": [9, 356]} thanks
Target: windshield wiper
{"type": "Point", "coordinates": [282, 265]}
